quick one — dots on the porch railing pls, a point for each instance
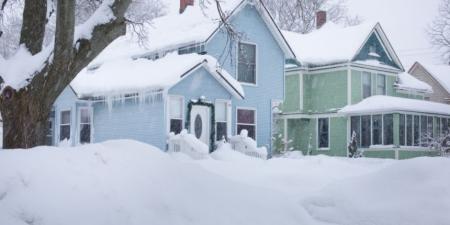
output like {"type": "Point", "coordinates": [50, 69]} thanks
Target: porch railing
{"type": "Point", "coordinates": [246, 145]}
{"type": "Point", "coordinates": [187, 144]}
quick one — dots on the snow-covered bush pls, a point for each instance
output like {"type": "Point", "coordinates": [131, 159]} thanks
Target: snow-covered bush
{"type": "Point", "coordinates": [188, 144]}
{"type": "Point", "coordinates": [352, 147]}
{"type": "Point", "coordinates": [244, 144]}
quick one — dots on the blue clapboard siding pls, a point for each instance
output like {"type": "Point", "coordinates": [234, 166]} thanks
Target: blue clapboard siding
{"type": "Point", "coordinates": [130, 119]}
{"type": "Point", "coordinates": [270, 68]}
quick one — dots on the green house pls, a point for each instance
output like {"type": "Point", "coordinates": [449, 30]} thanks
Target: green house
{"type": "Point", "coordinates": [349, 80]}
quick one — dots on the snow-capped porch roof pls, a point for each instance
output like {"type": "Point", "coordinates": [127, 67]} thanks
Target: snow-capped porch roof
{"type": "Point", "coordinates": [127, 75]}
{"type": "Point", "coordinates": [381, 103]}
{"type": "Point", "coordinates": [408, 82]}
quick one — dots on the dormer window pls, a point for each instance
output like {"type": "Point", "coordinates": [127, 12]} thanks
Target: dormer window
{"type": "Point", "coordinates": [247, 63]}
{"type": "Point", "coordinates": [373, 52]}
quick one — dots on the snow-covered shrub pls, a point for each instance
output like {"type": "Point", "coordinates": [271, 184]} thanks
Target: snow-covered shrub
{"type": "Point", "coordinates": [188, 144]}
{"type": "Point", "coordinates": [244, 144]}
{"type": "Point", "coordinates": [352, 147]}
{"type": "Point", "coordinates": [281, 145]}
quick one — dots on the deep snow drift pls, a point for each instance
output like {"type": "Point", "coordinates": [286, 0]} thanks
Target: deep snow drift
{"type": "Point", "coordinates": [126, 182]}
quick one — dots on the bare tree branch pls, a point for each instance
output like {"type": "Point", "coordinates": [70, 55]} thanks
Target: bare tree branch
{"type": "Point", "coordinates": [439, 31]}
{"type": "Point", "coordinates": [65, 27]}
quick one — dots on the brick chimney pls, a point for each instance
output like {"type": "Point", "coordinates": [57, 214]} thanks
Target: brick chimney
{"type": "Point", "coordinates": [184, 4]}
{"type": "Point", "coordinates": [321, 18]}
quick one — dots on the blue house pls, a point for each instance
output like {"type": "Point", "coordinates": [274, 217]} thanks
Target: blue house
{"type": "Point", "coordinates": [189, 74]}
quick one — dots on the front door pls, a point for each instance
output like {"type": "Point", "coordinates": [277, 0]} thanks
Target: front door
{"type": "Point", "coordinates": [200, 123]}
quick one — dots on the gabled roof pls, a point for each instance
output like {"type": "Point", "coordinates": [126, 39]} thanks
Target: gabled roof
{"type": "Point", "coordinates": [333, 44]}
{"type": "Point", "coordinates": [128, 76]}
{"type": "Point", "coordinates": [441, 73]}
{"type": "Point", "coordinates": [382, 103]}
{"type": "Point", "coordinates": [196, 25]}
{"type": "Point", "coordinates": [408, 82]}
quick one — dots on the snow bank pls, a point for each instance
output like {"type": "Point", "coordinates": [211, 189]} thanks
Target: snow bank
{"type": "Point", "coordinates": [188, 144]}
{"type": "Point", "coordinates": [409, 82]}
{"type": "Point", "coordinates": [413, 191]}
{"type": "Point", "coordinates": [244, 144]}
{"type": "Point", "coordinates": [125, 182]}
{"type": "Point", "coordinates": [381, 103]}
{"type": "Point", "coordinates": [127, 75]}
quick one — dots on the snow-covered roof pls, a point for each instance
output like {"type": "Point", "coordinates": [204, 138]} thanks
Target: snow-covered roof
{"type": "Point", "coordinates": [195, 25]}
{"type": "Point", "coordinates": [441, 73]}
{"type": "Point", "coordinates": [334, 43]}
{"type": "Point", "coordinates": [407, 81]}
{"type": "Point", "coordinates": [127, 75]}
{"type": "Point", "coordinates": [382, 103]}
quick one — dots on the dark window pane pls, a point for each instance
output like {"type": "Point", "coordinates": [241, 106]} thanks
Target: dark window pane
{"type": "Point", "coordinates": [65, 117]}
{"type": "Point", "coordinates": [85, 116]}
{"type": "Point", "coordinates": [64, 132]}
{"type": "Point", "coordinates": [402, 130]}
{"type": "Point", "coordinates": [356, 127]}
{"type": "Point", "coordinates": [438, 125]}
{"type": "Point", "coordinates": [249, 128]}
{"type": "Point", "coordinates": [444, 124]}
{"type": "Point", "coordinates": [221, 132]}
{"type": "Point", "coordinates": [388, 128]}
{"type": "Point", "coordinates": [85, 133]}
{"type": "Point", "coordinates": [247, 63]}
{"type": "Point", "coordinates": [176, 126]}
{"type": "Point", "coordinates": [198, 126]}
{"type": "Point", "coordinates": [366, 84]}
{"type": "Point", "coordinates": [381, 84]}
{"type": "Point", "coordinates": [246, 116]}
{"type": "Point", "coordinates": [376, 129]}
{"type": "Point", "coordinates": [416, 130]}
{"type": "Point", "coordinates": [430, 126]}
{"type": "Point", "coordinates": [423, 131]}
{"type": "Point", "coordinates": [365, 131]}
{"type": "Point", "coordinates": [323, 132]}
{"type": "Point", "coordinates": [409, 130]}
{"type": "Point", "coordinates": [49, 136]}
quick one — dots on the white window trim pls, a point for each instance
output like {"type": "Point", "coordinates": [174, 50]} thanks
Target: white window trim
{"type": "Point", "coordinates": [317, 134]}
{"type": "Point", "coordinates": [255, 124]}
{"type": "Point", "coordinates": [59, 124]}
{"type": "Point", "coordinates": [91, 115]}
{"type": "Point", "coordinates": [168, 118]}
{"type": "Point", "coordinates": [228, 115]}
{"type": "Point", "coordinates": [256, 63]}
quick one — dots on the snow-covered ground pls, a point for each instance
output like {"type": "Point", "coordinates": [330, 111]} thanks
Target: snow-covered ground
{"type": "Point", "coordinates": [126, 182]}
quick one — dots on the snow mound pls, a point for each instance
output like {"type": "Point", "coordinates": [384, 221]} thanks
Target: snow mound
{"type": "Point", "coordinates": [409, 82]}
{"type": "Point", "coordinates": [126, 182]}
{"type": "Point", "coordinates": [407, 192]}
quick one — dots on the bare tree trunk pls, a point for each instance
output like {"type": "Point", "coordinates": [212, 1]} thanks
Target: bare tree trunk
{"type": "Point", "coordinates": [25, 112]}
{"type": "Point", "coordinates": [33, 30]}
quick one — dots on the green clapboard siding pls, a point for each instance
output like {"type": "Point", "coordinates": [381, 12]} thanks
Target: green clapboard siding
{"type": "Point", "coordinates": [412, 154]}
{"type": "Point", "coordinates": [356, 86]}
{"type": "Point", "coordinates": [390, 81]}
{"type": "Point", "coordinates": [325, 92]}
{"type": "Point", "coordinates": [385, 154]}
{"type": "Point", "coordinates": [292, 101]}
{"type": "Point", "coordinates": [299, 132]}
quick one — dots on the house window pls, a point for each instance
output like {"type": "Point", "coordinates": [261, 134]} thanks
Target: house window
{"type": "Point", "coordinates": [221, 120]}
{"type": "Point", "coordinates": [388, 129]}
{"type": "Point", "coordinates": [444, 125]}
{"type": "Point", "coordinates": [365, 131]}
{"type": "Point", "coordinates": [176, 114]}
{"type": "Point", "coordinates": [355, 124]}
{"type": "Point", "coordinates": [430, 127]}
{"type": "Point", "coordinates": [423, 131]}
{"type": "Point", "coordinates": [50, 130]}
{"type": "Point", "coordinates": [64, 125]}
{"type": "Point", "coordinates": [323, 132]}
{"type": "Point", "coordinates": [247, 63]}
{"type": "Point", "coordinates": [416, 130]}
{"type": "Point", "coordinates": [409, 130]}
{"type": "Point", "coordinates": [85, 126]}
{"type": "Point", "coordinates": [381, 84]}
{"type": "Point", "coordinates": [376, 130]}
{"type": "Point", "coordinates": [402, 129]}
{"type": "Point", "coordinates": [246, 119]}
{"type": "Point", "coordinates": [366, 85]}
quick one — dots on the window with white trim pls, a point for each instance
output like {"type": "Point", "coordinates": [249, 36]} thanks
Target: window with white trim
{"type": "Point", "coordinates": [247, 63]}
{"type": "Point", "coordinates": [222, 119]}
{"type": "Point", "coordinates": [85, 126]}
{"type": "Point", "coordinates": [50, 129]}
{"type": "Point", "coordinates": [64, 125]}
{"type": "Point", "coordinates": [176, 114]}
{"type": "Point", "coordinates": [366, 85]}
{"type": "Point", "coordinates": [323, 132]}
{"type": "Point", "coordinates": [381, 84]}
{"type": "Point", "coordinates": [246, 120]}
{"type": "Point", "coordinates": [377, 130]}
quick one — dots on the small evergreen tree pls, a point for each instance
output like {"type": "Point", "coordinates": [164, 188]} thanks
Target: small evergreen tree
{"type": "Point", "coordinates": [353, 147]}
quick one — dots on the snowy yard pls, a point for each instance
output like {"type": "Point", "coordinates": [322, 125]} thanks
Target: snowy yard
{"type": "Point", "coordinates": [126, 182]}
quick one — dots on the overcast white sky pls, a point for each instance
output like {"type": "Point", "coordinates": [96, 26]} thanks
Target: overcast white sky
{"type": "Point", "coordinates": [405, 22]}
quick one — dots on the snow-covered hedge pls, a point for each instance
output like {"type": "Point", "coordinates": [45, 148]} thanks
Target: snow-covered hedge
{"type": "Point", "coordinates": [188, 144]}
{"type": "Point", "coordinates": [244, 144]}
